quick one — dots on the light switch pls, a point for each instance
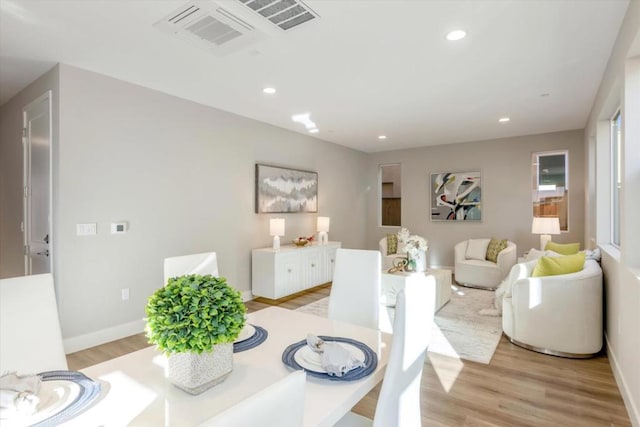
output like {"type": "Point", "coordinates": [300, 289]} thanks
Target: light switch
{"type": "Point", "coordinates": [87, 229]}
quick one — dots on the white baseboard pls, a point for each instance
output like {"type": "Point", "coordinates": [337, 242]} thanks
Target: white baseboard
{"type": "Point", "coordinates": [102, 336]}
{"type": "Point", "coordinates": [247, 295]}
{"type": "Point", "coordinates": [81, 342]}
{"type": "Point", "coordinates": [632, 409]}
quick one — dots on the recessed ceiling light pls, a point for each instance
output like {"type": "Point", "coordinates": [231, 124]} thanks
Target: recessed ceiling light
{"type": "Point", "coordinates": [316, 130]}
{"type": "Point", "coordinates": [269, 90]}
{"type": "Point", "coordinates": [382, 136]}
{"type": "Point", "coordinates": [456, 35]}
{"type": "Point", "coordinates": [504, 119]}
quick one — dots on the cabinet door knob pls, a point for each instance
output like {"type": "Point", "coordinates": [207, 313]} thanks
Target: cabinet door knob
{"type": "Point", "coordinates": [332, 260]}
{"type": "Point", "coordinates": [313, 265]}
{"type": "Point", "coordinates": [289, 270]}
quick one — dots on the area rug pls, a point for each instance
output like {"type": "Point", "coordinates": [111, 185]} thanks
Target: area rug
{"type": "Point", "coordinates": [459, 330]}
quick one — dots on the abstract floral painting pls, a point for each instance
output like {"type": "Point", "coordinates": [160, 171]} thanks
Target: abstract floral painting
{"type": "Point", "coordinates": [456, 196]}
{"type": "Point", "coordinates": [280, 190]}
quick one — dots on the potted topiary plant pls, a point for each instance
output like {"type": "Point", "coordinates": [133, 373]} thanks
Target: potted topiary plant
{"type": "Point", "coordinates": [194, 320]}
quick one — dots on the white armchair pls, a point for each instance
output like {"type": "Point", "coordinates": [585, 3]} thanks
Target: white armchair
{"type": "Point", "coordinates": [483, 274]}
{"type": "Point", "coordinates": [387, 260]}
{"type": "Point", "coordinates": [558, 315]}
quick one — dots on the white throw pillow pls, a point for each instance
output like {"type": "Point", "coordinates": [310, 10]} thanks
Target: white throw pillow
{"type": "Point", "coordinates": [477, 249]}
{"type": "Point", "coordinates": [535, 254]}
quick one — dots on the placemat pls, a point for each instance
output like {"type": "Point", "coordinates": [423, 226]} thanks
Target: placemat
{"type": "Point", "coordinates": [370, 360]}
{"type": "Point", "coordinates": [89, 391]}
{"type": "Point", "coordinates": [255, 340]}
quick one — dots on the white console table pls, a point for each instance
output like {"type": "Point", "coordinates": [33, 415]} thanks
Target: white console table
{"type": "Point", "coordinates": [290, 269]}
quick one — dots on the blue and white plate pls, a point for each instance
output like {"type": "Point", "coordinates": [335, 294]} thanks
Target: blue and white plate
{"type": "Point", "coordinates": [259, 336]}
{"type": "Point", "coordinates": [247, 332]}
{"type": "Point", "coordinates": [299, 356]}
{"type": "Point", "coordinates": [63, 395]}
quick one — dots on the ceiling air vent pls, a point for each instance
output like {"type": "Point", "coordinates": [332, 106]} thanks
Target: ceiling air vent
{"type": "Point", "coordinates": [210, 26]}
{"type": "Point", "coordinates": [286, 14]}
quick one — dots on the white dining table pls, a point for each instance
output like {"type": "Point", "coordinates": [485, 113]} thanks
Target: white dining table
{"type": "Point", "coordinates": [140, 395]}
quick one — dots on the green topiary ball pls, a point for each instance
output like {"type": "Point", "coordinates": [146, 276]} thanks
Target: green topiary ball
{"type": "Point", "coordinates": [193, 313]}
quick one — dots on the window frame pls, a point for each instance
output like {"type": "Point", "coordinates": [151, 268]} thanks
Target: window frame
{"type": "Point", "coordinates": [615, 176]}
{"type": "Point", "coordinates": [535, 172]}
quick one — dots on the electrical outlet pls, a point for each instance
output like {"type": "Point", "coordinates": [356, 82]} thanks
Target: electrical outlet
{"type": "Point", "coordinates": [125, 294]}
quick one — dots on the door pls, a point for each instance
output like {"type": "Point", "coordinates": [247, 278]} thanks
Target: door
{"type": "Point", "coordinates": [36, 140]}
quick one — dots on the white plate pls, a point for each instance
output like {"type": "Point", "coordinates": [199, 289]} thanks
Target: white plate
{"type": "Point", "coordinates": [310, 356]}
{"type": "Point", "coordinates": [247, 332]}
{"type": "Point", "coordinates": [312, 361]}
{"type": "Point", "coordinates": [55, 396]}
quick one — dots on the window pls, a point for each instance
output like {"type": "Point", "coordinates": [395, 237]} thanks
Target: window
{"type": "Point", "coordinates": [551, 186]}
{"type": "Point", "coordinates": [616, 177]}
{"type": "Point", "coordinates": [390, 195]}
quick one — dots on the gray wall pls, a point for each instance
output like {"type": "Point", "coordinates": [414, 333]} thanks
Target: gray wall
{"type": "Point", "coordinates": [11, 239]}
{"type": "Point", "coordinates": [182, 175]}
{"type": "Point", "coordinates": [506, 191]}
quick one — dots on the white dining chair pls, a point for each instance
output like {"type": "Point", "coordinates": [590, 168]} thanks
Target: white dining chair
{"type": "Point", "coordinates": [203, 264]}
{"type": "Point", "coordinates": [30, 336]}
{"type": "Point", "coordinates": [279, 405]}
{"type": "Point", "coordinates": [355, 292]}
{"type": "Point", "coordinates": [399, 399]}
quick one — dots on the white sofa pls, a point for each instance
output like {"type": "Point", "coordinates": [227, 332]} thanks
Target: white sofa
{"type": "Point", "coordinates": [387, 260]}
{"type": "Point", "coordinates": [483, 274]}
{"type": "Point", "coordinates": [559, 315]}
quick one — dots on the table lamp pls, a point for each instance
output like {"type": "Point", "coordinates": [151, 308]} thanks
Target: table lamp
{"type": "Point", "coordinates": [276, 229]}
{"type": "Point", "coordinates": [323, 229]}
{"type": "Point", "coordinates": [545, 227]}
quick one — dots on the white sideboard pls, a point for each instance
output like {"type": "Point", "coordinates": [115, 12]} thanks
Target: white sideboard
{"type": "Point", "coordinates": [290, 269]}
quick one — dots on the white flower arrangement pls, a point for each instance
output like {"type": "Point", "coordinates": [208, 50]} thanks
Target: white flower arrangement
{"type": "Point", "coordinates": [411, 244]}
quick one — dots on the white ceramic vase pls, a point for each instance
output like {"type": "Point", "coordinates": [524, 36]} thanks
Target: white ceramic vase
{"type": "Point", "coordinates": [195, 373]}
{"type": "Point", "coordinates": [419, 264]}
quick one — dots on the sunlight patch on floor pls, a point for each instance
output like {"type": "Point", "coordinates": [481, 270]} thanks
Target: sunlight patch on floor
{"type": "Point", "coordinates": [447, 364]}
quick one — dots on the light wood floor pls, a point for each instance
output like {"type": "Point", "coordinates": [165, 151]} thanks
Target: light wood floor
{"type": "Point", "coordinates": [518, 388]}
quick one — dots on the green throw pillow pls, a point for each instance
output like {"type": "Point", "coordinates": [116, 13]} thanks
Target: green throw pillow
{"type": "Point", "coordinates": [563, 249]}
{"type": "Point", "coordinates": [553, 266]}
{"type": "Point", "coordinates": [494, 248]}
{"type": "Point", "coordinates": [392, 244]}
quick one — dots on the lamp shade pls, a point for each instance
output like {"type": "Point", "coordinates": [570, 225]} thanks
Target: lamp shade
{"type": "Point", "coordinates": [323, 223]}
{"type": "Point", "coordinates": [545, 226]}
{"type": "Point", "coordinates": [276, 227]}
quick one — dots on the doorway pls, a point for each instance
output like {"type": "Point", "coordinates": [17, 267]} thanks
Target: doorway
{"type": "Point", "coordinates": [37, 185]}
{"type": "Point", "coordinates": [390, 195]}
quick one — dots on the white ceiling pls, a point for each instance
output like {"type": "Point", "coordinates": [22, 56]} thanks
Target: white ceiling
{"type": "Point", "coordinates": [364, 68]}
